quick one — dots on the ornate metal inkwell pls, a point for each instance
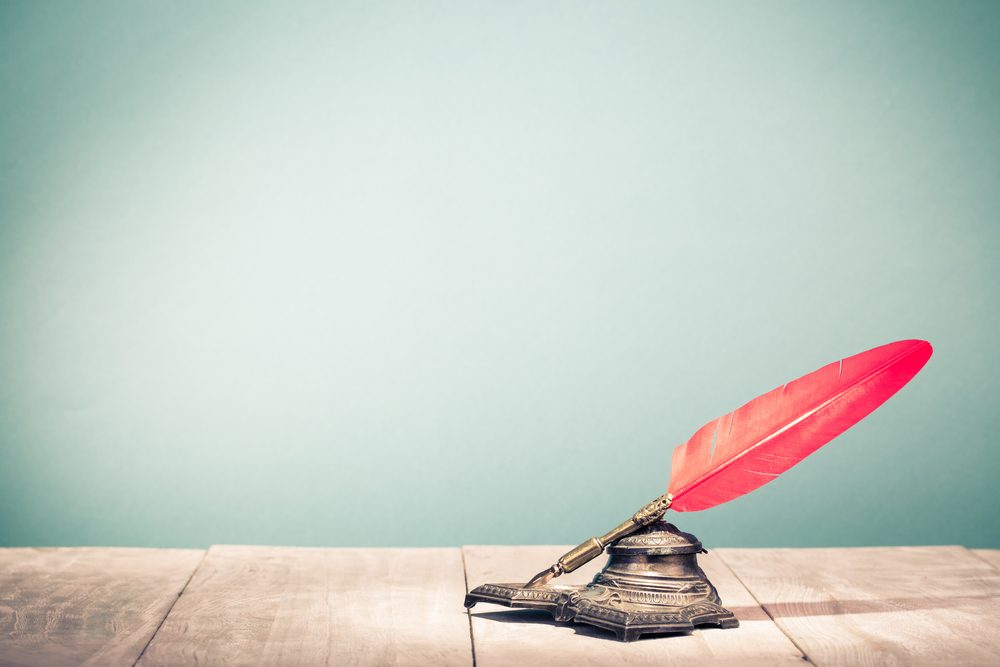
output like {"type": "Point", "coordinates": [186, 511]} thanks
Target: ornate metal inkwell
{"type": "Point", "coordinates": [652, 582]}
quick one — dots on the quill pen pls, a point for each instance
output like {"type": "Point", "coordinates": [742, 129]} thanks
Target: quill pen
{"type": "Point", "coordinates": [751, 446]}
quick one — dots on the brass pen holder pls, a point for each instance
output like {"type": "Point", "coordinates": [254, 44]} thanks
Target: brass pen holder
{"type": "Point", "coordinates": [651, 584]}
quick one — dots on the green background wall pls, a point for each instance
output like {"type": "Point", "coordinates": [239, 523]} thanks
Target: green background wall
{"type": "Point", "coordinates": [440, 274]}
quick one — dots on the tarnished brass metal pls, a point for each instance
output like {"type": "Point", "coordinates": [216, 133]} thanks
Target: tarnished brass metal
{"type": "Point", "coordinates": [594, 547]}
{"type": "Point", "coordinates": [651, 584]}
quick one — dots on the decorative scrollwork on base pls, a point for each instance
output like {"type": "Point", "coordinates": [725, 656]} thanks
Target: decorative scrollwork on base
{"type": "Point", "coordinates": [672, 594]}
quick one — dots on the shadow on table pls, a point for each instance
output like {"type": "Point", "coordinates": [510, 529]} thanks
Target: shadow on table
{"type": "Point", "coordinates": [536, 617]}
{"type": "Point", "coordinates": [843, 607]}
{"type": "Point", "coordinates": [770, 610]}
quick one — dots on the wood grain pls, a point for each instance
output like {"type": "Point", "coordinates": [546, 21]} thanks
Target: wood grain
{"type": "Point", "coordinates": [879, 606]}
{"type": "Point", "coordinates": [86, 606]}
{"type": "Point", "coordinates": [271, 605]}
{"type": "Point", "coordinates": [304, 606]}
{"type": "Point", "coordinates": [991, 556]}
{"type": "Point", "coordinates": [504, 636]}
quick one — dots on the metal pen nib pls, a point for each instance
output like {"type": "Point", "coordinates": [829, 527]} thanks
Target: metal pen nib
{"type": "Point", "coordinates": [544, 577]}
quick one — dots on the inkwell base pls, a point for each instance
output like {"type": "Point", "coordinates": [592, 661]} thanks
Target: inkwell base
{"type": "Point", "coordinates": [651, 584]}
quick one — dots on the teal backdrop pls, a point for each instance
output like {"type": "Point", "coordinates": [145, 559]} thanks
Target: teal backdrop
{"type": "Point", "coordinates": [457, 273]}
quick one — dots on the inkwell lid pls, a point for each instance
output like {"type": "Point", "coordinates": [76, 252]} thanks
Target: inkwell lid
{"type": "Point", "coordinates": [657, 539]}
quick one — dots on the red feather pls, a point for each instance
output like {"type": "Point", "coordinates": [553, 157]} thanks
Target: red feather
{"type": "Point", "coordinates": [749, 447]}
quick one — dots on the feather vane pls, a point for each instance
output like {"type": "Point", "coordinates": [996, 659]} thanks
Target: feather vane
{"type": "Point", "coordinates": [749, 447]}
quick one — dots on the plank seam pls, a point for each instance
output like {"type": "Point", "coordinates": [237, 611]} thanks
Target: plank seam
{"type": "Point", "coordinates": [767, 611]}
{"type": "Point", "coordinates": [971, 551]}
{"type": "Point", "coordinates": [468, 612]}
{"type": "Point", "coordinates": [163, 620]}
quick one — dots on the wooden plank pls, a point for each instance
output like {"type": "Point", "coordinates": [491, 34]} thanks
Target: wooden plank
{"type": "Point", "coordinates": [991, 556]}
{"type": "Point", "coordinates": [877, 606]}
{"type": "Point", "coordinates": [282, 605]}
{"type": "Point", "coordinates": [505, 636]}
{"type": "Point", "coordinates": [86, 606]}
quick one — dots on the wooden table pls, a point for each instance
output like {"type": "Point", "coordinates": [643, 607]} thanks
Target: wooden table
{"type": "Point", "coordinates": [282, 605]}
